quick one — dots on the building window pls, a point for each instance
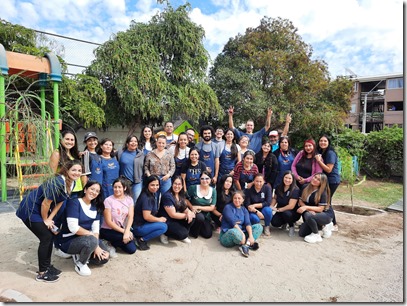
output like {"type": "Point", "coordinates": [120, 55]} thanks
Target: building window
{"type": "Point", "coordinates": [353, 108]}
{"type": "Point", "coordinates": [395, 106]}
{"type": "Point", "coordinates": [355, 87]}
{"type": "Point", "coordinates": [395, 83]}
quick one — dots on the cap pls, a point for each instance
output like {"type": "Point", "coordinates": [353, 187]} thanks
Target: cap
{"type": "Point", "coordinates": [273, 133]}
{"type": "Point", "coordinates": [89, 135]}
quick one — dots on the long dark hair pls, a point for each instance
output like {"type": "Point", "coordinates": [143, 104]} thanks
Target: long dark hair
{"type": "Point", "coordinates": [280, 189]}
{"type": "Point", "coordinates": [220, 190]}
{"type": "Point", "coordinates": [102, 142]}
{"type": "Point", "coordinates": [180, 205]}
{"type": "Point", "coordinates": [98, 201]}
{"type": "Point", "coordinates": [64, 171]}
{"type": "Point", "coordinates": [233, 148]}
{"type": "Point", "coordinates": [63, 155]}
{"type": "Point", "coordinates": [142, 141]}
{"type": "Point", "coordinates": [322, 151]}
{"type": "Point", "coordinates": [189, 157]}
{"type": "Point", "coordinates": [147, 182]}
{"type": "Point", "coordinates": [268, 161]}
{"type": "Point", "coordinates": [125, 183]}
{"type": "Point", "coordinates": [176, 150]}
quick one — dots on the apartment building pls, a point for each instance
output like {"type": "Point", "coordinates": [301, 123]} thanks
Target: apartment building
{"type": "Point", "coordinates": [384, 98]}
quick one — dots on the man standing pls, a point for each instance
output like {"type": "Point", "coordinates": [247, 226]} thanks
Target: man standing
{"type": "Point", "coordinates": [255, 138]}
{"type": "Point", "coordinates": [191, 137]}
{"type": "Point", "coordinates": [209, 152]}
{"type": "Point", "coordinates": [171, 137]}
{"type": "Point", "coordinates": [274, 137]}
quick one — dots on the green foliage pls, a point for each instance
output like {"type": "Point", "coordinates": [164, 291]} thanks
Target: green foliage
{"type": "Point", "coordinates": [384, 152]}
{"type": "Point", "coordinates": [347, 172]}
{"type": "Point", "coordinates": [156, 71]}
{"type": "Point", "coordinates": [354, 142]}
{"type": "Point", "coordinates": [83, 97]}
{"type": "Point", "coordinates": [271, 66]}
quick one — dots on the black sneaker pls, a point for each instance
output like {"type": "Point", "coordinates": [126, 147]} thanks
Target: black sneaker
{"type": "Point", "coordinates": [54, 271]}
{"type": "Point", "coordinates": [244, 249]}
{"type": "Point", "coordinates": [47, 277]}
{"type": "Point", "coordinates": [254, 246]}
{"type": "Point", "coordinates": [142, 245]}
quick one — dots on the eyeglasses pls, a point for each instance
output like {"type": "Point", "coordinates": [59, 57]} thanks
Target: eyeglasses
{"type": "Point", "coordinates": [205, 178]}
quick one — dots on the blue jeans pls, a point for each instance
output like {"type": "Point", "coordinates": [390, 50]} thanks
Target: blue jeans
{"type": "Point", "coordinates": [267, 213]}
{"type": "Point", "coordinates": [164, 187]}
{"type": "Point", "coordinates": [136, 190]}
{"type": "Point", "coordinates": [116, 239]}
{"type": "Point", "coordinates": [150, 230]}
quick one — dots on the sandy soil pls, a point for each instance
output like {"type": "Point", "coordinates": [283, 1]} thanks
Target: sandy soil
{"type": "Point", "coordinates": [363, 262]}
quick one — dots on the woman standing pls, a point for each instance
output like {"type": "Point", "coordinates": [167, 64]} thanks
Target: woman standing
{"type": "Point", "coordinates": [224, 190]}
{"type": "Point", "coordinates": [92, 162]}
{"type": "Point", "coordinates": [192, 170]}
{"type": "Point", "coordinates": [314, 207]}
{"type": "Point", "coordinates": [244, 142]}
{"type": "Point", "coordinates": [110, 166]}
{"type": "Point", "coordinates": [160, 162]}
{"type": "Point", "coordinates": [229, 154]}
{"type": "Point", "coordinates": [147, 224]}
{"type": "Point", "coordinates": [258, 202]}
{"type": "Point", "coordinates": [236, 228]}
{"type": "Point", "coordinates": [131, 161]}
{"type": "Point", "coordinates": [180, 152]}
{"type": "Point", "coordinates": [67, 150]}
{"type": "Point", "coordinates": [118, 217]}
{"type": "Point", "coordinates": [80, 230]}
{"type": "Point", "coordinates": [245, 171]}
{"type": "Point", "coordinates": [328, 160]}
{"type": "Point", "coordinates": [174, 208]}
{"type": "Point", "coordinates": [201, 201]}
{"type": "Point", "coordinates": [147, 140]}
{"type": "Point", "coordinates": [267, 163]}
{"type": "Point", "coordinates": [284, 203]}
{"type": "Point", "coordinates": [285, 157]}
{"type": "Point", "coordinates": [305, 165]}
{"type": "Point", "coordinates": [41, 208]}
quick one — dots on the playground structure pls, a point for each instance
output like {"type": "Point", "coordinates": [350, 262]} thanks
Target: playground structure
{"type": "Point", "coordinates": [27, 141]}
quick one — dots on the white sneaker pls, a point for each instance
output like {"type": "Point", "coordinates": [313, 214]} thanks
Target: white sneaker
{"type": "Point", "coordinates": [312, 238]}
{"type": "Point", "coordinates": [186, 240]}
{"type": "Point", "coordinates": [163, 239]}
{"type": "Point", "coordinates": [60, 253]}
{"type": "Point", "coordinates": [111, 249]}
{"type": "Point", "coordinates": [80, 268]}
{"type": "Point", "coordinates": [327, 230]}
{"type": "Point", "coordinates": [266, 231]}
{"type": "Point", "coordinates": [291, 231]}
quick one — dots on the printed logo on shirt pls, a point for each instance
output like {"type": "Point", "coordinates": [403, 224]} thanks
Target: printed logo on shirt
{"type": "Point", "coordinates": [262, 195]}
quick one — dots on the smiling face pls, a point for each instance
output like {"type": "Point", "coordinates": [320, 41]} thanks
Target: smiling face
{"type": "Point", "coordinates": [160, 143]}
{"type": "Point", "coordinates": [169, 128]}
{"type": "Point", "coordinates": [249, 126]}
{"type": "Point", "coordinates": [153, 186]}
{"type": "Point", "coordinates": [248, 160]}
{"type": "Point", "coordinates": [75, 172]}
{"type": "Point", "coordinates": [107, 147]}
{"type": "Point", "coordinates": [244, 142]}
{"type": "Point", "coordinates": [190, 135]}
{"type": "Point", "coordinates": [183, 141]}
{"type": "Point", "coordinates": [207, 135]}
{"type": "Point", "coordinates": [308, 148]}
{"type": "Point", "coordinates": [229, 136]}
{"type": "Point", "coordinates": [194, 155]}
{"type": "Point", "coordinates": [92, 192]}
{"type": "Point", "coordinates": [91, 144]}
{"type": "Point", "coordinates": [284, 144]}
{"type": "Point", "coordinates": [205, 180]}
{"type": "Point", "coordinates": [258, 182]}
{"type": "Point", "coordinates": [238, 199]}
{"type": "Point", "coordinates": [118, 190]}
{"type": "Point", "coordinates": [266, 147]}
{"type": "Point", "coordinates": [219, 133]}
{"type": "Point", "coordinates": [228, 183]}
{"type": "Point", "coordinates": [323, 142]}
{"type": "Point", "coordinates": [147, 133]}
{"type": "Point", "coordinates": [316, 180]}
{"type": "Point", "coordinates": [132, 144]}
{"type": "Point", "coordinates": [177, 185]}
{"type": "Point", "coordinates": [68, 141]}
{"type": "Point", "coordinates": [288, 179]}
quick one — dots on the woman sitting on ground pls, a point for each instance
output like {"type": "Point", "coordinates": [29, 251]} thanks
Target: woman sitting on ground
{"type": "Point", "coordinates": [118, 217]}
{"type": "Point", "coordinates": [314, 207]}
{"type": "Point", "coordinates": [224, 191]}
{"type": "Point", "coordinates": [147, 224]}
{"type": "Point", "coordinates": [236, 228]}
{"type": "Point", "coordinates": [174, 208]}
{"type": "Point", "coordinates": [80, 230]}
{"type": "Point", "coordinates": [201, 201]}
{"type": "Point", "coordinates": [258, 202]}
{"type": "Point", "coordinates": [284, 203]}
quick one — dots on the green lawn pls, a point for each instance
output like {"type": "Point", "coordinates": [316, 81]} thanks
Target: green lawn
{"type": "Point", "coordinates": [376, 193]}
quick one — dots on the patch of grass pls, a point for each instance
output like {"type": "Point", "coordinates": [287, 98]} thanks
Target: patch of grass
{"type": "Point", "coordinates": [379, 194]}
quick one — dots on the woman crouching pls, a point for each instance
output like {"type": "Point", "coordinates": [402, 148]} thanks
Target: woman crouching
{"type": "Point", "coordinates": [236, 228]}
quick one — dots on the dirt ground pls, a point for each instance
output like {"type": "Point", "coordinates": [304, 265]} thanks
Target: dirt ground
{"type": "Point", "coordinates": [362, 262]}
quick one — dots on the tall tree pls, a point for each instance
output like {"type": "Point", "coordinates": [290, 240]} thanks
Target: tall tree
{"type": "Point", "coordinates": [156, 71]}
{"type": "Point", "coordinates": [271, 66]}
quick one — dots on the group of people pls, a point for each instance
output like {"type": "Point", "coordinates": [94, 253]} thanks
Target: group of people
{"type": "Point", "coordinates": [168, 186]}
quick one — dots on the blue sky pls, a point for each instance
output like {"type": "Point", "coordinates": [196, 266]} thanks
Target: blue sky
{"type": "Point", "coordinates": [364, 36]}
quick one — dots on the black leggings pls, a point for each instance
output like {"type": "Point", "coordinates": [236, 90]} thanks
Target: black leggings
{"type": "Point", "coordinates": [201, 226]}
{"type": "Point", "coordinates": [332, 188]}
{"type": "Point", "coordinates": [46, 238]}
{"type": "Point", "coordinates": [287, 216]}
{"type": "Point", "coordinates": [178, 229]}
{"type": "Point", "coordinates": [312, 222]}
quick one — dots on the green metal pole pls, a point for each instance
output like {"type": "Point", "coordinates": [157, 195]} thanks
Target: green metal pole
{"type": "Point", "coordinates": [3, 140]}
{"type": "Point", "coordinates": [44, 125]}
{"type": "Point", "coordinates": [56, 115]}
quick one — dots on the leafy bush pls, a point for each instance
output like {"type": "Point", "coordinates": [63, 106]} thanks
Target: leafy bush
{"type": "Point", "coordinates": [354, 142]}
{"type": "Point", "coordinates": [384, 152]}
